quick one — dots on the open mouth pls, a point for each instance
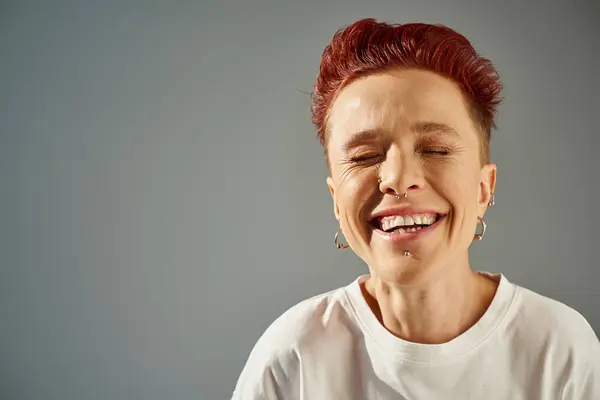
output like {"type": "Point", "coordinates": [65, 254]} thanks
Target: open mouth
{"type": "Point", "coordinates": [402, 224]}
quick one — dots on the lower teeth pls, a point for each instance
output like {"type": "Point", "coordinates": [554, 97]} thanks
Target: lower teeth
{"type": "Point", "coordinates": [407, 230]}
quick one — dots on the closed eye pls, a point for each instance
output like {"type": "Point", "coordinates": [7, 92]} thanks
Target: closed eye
{"type": "Point", "coordinates": [365, 158]}
{"type": "Point", "coordinates": [438, 151]}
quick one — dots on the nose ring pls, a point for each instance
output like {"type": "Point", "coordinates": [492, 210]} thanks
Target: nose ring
{"type": "Point", "coordinates": [405, 195]}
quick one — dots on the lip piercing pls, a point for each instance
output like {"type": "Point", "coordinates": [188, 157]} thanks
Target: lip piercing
{"type": "Point", "coordinates": [406, 253]}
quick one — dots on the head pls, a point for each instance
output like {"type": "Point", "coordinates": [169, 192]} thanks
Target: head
{"type": "Point", "coordinates": [406, 110]}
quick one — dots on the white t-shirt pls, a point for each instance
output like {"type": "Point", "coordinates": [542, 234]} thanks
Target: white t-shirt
{"type": "Point", "coordinates": [526, 346]}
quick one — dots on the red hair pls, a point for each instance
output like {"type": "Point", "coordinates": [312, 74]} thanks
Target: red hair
{"type": "Point", "coordinates": [368, 46]}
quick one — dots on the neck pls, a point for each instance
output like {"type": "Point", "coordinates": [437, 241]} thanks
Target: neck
{"type": "Point", "coordinates": [435, 311]}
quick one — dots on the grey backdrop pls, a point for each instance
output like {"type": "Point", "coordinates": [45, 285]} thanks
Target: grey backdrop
{"type": "Point", "coordinates": [163, 194]}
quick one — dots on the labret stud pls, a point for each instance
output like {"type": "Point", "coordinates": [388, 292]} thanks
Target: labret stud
{"type": "Point", "coordinates": [406, 253]}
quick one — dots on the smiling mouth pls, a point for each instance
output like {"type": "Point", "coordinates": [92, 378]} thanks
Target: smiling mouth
{"type": "Point", "coordinates": [402, 224]}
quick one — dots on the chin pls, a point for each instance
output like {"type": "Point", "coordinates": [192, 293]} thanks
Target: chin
{"type": "Point", "coordinates": [403, 270]}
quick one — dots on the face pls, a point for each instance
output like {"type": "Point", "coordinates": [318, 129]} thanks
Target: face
{"type": "Point", "coordinates": [406, 131]}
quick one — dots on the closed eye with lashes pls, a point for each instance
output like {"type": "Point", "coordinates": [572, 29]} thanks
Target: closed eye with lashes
{"type": "Point", "coordinates": [365, 158]}
{"type": "Point", "coordinates": [438, 151]}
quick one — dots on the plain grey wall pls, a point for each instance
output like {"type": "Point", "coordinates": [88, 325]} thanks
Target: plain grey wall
{"type": "Point", "coordinates": [163, 194]}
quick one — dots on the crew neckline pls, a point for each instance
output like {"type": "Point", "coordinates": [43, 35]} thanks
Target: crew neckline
{"type": "Point", "coordinates": [428, 353]}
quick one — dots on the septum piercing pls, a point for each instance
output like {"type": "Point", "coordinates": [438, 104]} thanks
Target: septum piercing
{"type": "Point", "coordinates": [405, 195]}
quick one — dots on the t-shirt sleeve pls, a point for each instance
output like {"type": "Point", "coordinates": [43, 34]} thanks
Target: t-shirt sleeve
{"type": "Point", "coordinates": [268, 377]}
{"type": "Point", "coordinates": [585, 381]}
{"type": "Point", "coordinates": [590, 385]}
{"type": "Point", "coordinates": [272, 369]}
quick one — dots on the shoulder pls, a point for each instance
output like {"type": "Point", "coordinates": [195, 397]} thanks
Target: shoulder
{"type": "Point", "coordinates": [552, 318]}
{"type": "Point", "coordinates": [304, 322]}
{"type": "Point", "coordinates": [272, 368]}
{"type": "Point", "coordinates": [562, 337]}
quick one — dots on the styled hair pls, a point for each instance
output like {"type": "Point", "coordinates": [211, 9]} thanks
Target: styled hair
{"type": "Point", "coordinates": [368, 46]}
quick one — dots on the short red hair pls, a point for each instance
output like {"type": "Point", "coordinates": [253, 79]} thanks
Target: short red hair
{"type": "Point", "coordinates": [368, 46]}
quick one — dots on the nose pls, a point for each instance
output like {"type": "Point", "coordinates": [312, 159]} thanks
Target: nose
{"type": "Point", "coordinates": [400, 174]}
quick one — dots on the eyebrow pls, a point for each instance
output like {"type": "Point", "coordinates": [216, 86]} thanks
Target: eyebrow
{"type": "Point", "coordinates": [434, 128]}
{"type": "Point", "coordinates": [359, 138]}
{"type": "Point", "coordinates": [423, 128]}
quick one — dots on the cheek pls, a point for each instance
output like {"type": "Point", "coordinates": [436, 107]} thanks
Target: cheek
{"type": "Point", "coordinates": [458, 186]}
{"type": "Point", "coordinates": [355, 192]}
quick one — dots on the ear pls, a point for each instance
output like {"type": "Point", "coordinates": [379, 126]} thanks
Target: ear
{"type": "Point", "coordinates": [487, 185]}
{"type": "Point", "coordinates": [331, 186]}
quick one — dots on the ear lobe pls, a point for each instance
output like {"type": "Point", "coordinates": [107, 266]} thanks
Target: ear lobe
{"type": "Point", "coordinates": [331, 187]}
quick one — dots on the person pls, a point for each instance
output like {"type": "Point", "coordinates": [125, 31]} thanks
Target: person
{"type": "Point", "coordinates": [404, 112]}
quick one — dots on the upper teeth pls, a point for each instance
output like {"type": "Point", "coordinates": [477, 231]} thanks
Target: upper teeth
{"type": "Point", "coordinates": [388, 223]}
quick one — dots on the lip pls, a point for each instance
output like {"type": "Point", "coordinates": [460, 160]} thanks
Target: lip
{"type": "Point", "coordinates": [408, 236]}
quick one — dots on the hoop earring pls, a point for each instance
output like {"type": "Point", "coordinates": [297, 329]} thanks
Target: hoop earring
{"type": "Point", "coordinates": [479, 236]}
{"type": "Point", "coordinates": [339, 245]}
{"type": "Point", "coordinates": [492, 201]}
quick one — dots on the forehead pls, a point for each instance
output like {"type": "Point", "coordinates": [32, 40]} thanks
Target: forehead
{"type": "Point", "coordinates": [393, 100]}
